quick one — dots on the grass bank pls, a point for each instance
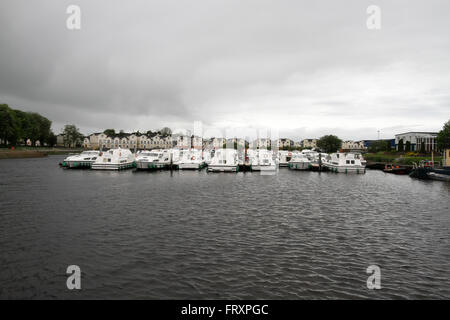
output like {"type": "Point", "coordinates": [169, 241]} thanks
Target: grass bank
{"type": "Point", "coordinates": [33, 152]}
{"type": "Point", "coordinates": [407, 158]}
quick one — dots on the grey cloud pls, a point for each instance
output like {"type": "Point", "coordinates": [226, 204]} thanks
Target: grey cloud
{"type": "Point", "coordinates": [307, 67]}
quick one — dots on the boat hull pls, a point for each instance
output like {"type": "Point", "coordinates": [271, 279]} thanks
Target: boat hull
{"type": "Point", "coordinates": [431, 173]}
{"type": "Point", "coordinates": [78, 164]}
{"type": "Point", "coordinates": [299, 165]}
{"type": "Point", "coordinates": [219, 168]}
{"type": "Point", "coordinates": [399, 171]}
{"type": "Point", "coordinates": [438, 176]}
{"type": "Point", "coordinates": [113, 166]}
{"type": "Point", "coordinates": [346, 169]}
{"type": "Point", "coordinates": [190, 166]}
{"type": "Point", "coordinates": [145, 165]}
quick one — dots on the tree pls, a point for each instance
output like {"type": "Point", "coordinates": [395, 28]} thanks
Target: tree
{"type": "Point", "coordinates": [8, 125]}
{"type": "Point", "coordinates": [121, 134]}
{"type": "Point", "coordinates": [52, 139]}
{"type": "Point", "coordinates": [400, 145]}
{"type": "Point", "coordinates": [329, 143]}
{"type": "Point", "coordinates": [422, 147]}
{"type": "Point", "coordinates": [388, 145]}
{"type": "Point", "coordinates": [110, 132]}
{"type": "Point", "coordinates": [379, 145]}
{"type": "Point", "coordinates": [72, 136]}
{"type": "Point", "coordinates": [408, 146]}
{"type": "Point", "coordinates": [165, 131]}
{"type": "Point", "coordinates": [443, 137]}
{"type": "Point", "coordinates": [18, 126]}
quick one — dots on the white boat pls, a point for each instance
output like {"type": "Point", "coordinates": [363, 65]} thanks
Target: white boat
{"type": "Point", "coordinates": [191, 159]}
{"type": "Point", "coordinates": [82, 160]}
{"type": "Point", "coordinates": [114, 159]}
{"type": "Point", "coordinates": [345, 162]}
{"type": "Point", "coordinates": [299, 161]}
{"type": "Point", "coordinates": [224, 160]}
{"type": "Point", "coordinates": [154, 159]}
{"type": "Point", "coordinates": [284, 157]}
{"type": "Point", "coordinates": [318, 160]}
{"type": "Point", "coordinates": [264, 161]}
{"type": "Point", "coordinates": [438, 176]}
{"type": "Point", "coordinates": [252, 158]}
{"type": "Point", "coordinates": [310, 154]}
{"type": "Point", "coordinates": [207, 157]}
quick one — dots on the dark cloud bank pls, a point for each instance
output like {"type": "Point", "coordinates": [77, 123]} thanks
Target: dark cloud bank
{"type": "Point", "coordinates": [307, 68]}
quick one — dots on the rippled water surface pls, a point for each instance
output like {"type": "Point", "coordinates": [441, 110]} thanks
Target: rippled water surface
{"type": "Point", "coordinates": [296, 235]}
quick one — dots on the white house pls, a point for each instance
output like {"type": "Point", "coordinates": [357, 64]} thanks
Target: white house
{"type": "Point", "coordinates": [416, 139]}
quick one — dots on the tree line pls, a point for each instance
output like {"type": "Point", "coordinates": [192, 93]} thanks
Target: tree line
{"type": "Point", "coordinates": [17, 127]}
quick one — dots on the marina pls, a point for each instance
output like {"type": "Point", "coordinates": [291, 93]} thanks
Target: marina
{"type": "Point", "coordinates": [208, 152]}
{"type": "Point", "coordinates": [231, 160]}
{"type": "Point", "coordinates": [192, 234]}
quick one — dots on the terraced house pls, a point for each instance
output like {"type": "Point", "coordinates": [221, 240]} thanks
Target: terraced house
{"type": "Point", "coordinates": [138, 141]}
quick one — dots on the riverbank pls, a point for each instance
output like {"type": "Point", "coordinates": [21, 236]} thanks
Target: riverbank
{"type": "Point", "coordinates": [405, 159]}
{"type": "Point", "coordinates": [27, 152]}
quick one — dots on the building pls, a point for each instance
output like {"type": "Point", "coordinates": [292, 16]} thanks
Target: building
{"type": "Point", "coordinates": [59, 140]}
{"type": "Point", "coordinates": [240, 143]}
{"type": "Point", "coordinates": [367, 143]}
{"type": "Point", "coordinates": [197, 142]}
{"type": "Point", "coordinates": [446, 161]}
{"type": "Point", "coordinates": [131, 141]}
{"type": "Point", "coordinates": [217, 143]}
{"type": "Point", "coordinates": [309, 143]}
{"type": "Point", "coordinates": [261, 144]}
{"type": "Point", "coordinates": [416, 139]}
{"type": "Point", "coordinates": [285, 143]}
{"type": "Point", "coordinates": [353, 145]}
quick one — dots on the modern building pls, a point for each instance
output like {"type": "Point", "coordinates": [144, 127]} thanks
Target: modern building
{"type": "Point", "coordinates": [367, 143]}
{"type": "Point", "coordinates": [416, 139]}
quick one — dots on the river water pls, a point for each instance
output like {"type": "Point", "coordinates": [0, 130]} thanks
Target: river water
{"type": "Point", "coordinates": [196, 235]}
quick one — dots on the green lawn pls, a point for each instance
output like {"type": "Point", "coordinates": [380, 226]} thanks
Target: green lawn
{"type": "Point", "coordinates": [399, 158]}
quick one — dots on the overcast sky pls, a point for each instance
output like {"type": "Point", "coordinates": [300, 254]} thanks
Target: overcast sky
{"type": "Point", "coordinates": [307, 68]}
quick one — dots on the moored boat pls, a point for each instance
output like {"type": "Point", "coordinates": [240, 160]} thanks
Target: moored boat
{"type": "Point", "coordinates": [114, 159]}
{"type": "Point", "coordinates": [284, 157]}
{"type": "Point", "coordinates": [299, 161]}
{"type": "Point", "coordinates": [154, 159]}
{"type": "Point", "coordinates": [345, 163]}
{"type": "Point", "coordinates": [82, 160]}
{"type": "Point", "coordinates": [430, 170]}
{"type": "Point", "coordinates": [224, 160]}
{"type": "Point", "coordinates": [191, 159]}
{"type": "Point", "coordinates": [395, 169]}
{"type": "Point", "coordinates": [264, 161]}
